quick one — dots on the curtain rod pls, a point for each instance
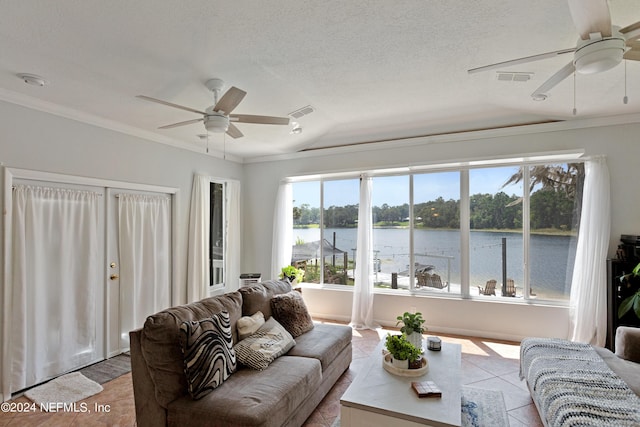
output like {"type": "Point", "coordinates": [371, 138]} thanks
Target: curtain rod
{"type": "Point", "coordinates": [13, 187]}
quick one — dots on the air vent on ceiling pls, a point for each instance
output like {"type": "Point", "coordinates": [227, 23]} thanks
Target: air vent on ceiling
{"type": "Point", "coordinates": [513, 77]}
{"type": "Point", "coordinates": [302, 112]}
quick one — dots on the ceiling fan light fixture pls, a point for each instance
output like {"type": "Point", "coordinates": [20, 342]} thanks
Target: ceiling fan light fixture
{"type": "Point", "coordinates": [539, 97]}
{"type": "Point", "coordinates": [296, 129]}
{"type": "Point", "coordinates": [601, 55]}
{"type": "Point", "coordinates": [216, 123]}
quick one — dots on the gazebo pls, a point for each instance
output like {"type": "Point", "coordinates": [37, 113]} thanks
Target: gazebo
{"type": "Point", "coordinates": [312, 251]}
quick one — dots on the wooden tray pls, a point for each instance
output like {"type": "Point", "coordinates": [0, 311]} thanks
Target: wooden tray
{"type": "Point", "coordinates": [386, 363]}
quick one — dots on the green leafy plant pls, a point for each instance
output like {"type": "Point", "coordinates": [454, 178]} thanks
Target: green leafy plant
{"type": "Point", "coordinates": [401, 349]}
{"type": "Point", "coordinates": [290, 272]}
{"type": "Point", "coordinates": [633, 301]}
{"type": "Point", "coordinates": [412, 322]}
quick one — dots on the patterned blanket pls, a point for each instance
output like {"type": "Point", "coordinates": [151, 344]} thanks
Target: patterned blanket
{"type": "Point", "coordinates": [573, 386]}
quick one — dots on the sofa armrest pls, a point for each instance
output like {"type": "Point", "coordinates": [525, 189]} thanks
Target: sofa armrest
{"type": "Point", "coordinates": [628, 343]}
{"type": "Point", "coordinates": [148, 412]}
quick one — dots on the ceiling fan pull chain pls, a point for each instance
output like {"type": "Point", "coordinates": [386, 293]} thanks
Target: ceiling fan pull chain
{"type": "Point", "coordinates": [207, 142]}
{"type": "Point", "coordinates": [625, 100]}
{"type": "Point", "coordinates": [574, 94]}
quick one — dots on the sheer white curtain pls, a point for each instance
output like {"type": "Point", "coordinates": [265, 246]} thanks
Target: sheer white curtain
{"type": "Point", "coordinates": [362, 310]}
{"type": "Point", "coordinates": [588, 300]}
{"type": "Point", "coordinates": [282, 243]}
{"type": "Point", "coordinates": [233, 253]}
{"type": "Point", "coordinates": [144, 236]}
{"type": "Point", "coordinates": [198, 248]}
{"type": "Point", "coordinates": [55, 278]}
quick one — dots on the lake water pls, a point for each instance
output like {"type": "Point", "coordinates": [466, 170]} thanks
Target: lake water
{"type": "Point", "coordinates": [551, 256]}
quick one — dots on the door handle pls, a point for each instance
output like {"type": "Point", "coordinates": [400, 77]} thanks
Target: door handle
{"type": "Point", "coordinates": [114, 277]}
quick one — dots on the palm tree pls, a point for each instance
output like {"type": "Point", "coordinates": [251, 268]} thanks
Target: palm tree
{"type": "Point", "coordinates": [567, 178]}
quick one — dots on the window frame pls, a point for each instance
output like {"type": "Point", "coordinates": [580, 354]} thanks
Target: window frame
{"type": "Point", "coordinates": [223, 274]}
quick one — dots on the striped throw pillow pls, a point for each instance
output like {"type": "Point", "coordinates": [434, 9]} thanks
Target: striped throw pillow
{"type": "Point", "coordinates": [209, 357]}
{"type": "Point", "coordinates": [264, 346]}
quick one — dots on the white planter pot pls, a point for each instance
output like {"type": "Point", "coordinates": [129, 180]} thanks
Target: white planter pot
{"type": "Point", "coordinates": [400, 364]}
{"type": "Point", "coordinates": [415, 338]}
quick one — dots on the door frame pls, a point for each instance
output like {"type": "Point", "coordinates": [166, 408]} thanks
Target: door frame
{"type": "Point", "coordinates": [10, 174]}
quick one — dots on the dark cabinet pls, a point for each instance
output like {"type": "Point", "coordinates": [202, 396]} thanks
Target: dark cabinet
{"type": "Point", "coordinates": [616, 293]}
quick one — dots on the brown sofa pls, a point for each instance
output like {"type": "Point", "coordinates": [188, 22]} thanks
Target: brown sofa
{"type": "Point", "coordinates": [578, 384]}
{"type": "Point", "coordinates": [284, 394]}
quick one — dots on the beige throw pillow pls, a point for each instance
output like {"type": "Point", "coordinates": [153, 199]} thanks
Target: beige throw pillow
{"type": "Point", "coordinates": [247, 325]}
{"type": "Point", "coordinates": [264, 346]}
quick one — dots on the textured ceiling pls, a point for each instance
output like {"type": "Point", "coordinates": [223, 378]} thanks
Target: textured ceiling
{"type": "Point", "coordinates": [371, 69]}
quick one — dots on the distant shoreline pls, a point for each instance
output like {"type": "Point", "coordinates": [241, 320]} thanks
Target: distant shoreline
{"type": "Point", "coordinates": [546, 231]}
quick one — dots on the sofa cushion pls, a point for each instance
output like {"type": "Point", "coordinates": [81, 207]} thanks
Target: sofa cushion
{"type": "Point", "coordinates": [264, 346]}
{"type": "Point", "coordinates": [625, 369]}
{"type": "Point", "coordinates": [247, 325]}
{"type": "Point", "coordinates": [324, 342]}
{"type": "Point", "coordinates": [209, 358]}
{"type": "Point", "coordinates": [291, 312]}
{"type": "Point", "coordinates": [160, 341]}
{"type": "Point", "coordinates": [252, 398]}
{"type": "Point", "coordinates": [258, 297]}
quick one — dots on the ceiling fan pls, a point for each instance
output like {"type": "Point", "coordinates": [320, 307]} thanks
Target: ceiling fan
{"type": "Point", "coordinates": [218, 117]}
{"type": "Point", "coordinates": [600, 47]}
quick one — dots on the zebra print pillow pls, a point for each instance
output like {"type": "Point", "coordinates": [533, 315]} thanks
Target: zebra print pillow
{"type": "Point", "coordinates": [209, 357]}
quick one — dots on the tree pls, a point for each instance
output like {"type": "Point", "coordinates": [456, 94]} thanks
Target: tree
{"type": "Point", "coordinates": [565, 179]}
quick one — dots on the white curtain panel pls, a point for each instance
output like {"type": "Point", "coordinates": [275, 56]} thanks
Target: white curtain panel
{"type": "Point", "coordinates": [282, 244]}
{"type": "Point", "coordinates": [56, 271]}
{"type": "Point", "coordinates": [144, 236]}
{"type": "Point", "coordinates": [198, 248]}
{"type": "Point", "coordinates": [233, 253]}
{"type": "Point", "coordinates": [362, 310]}
{"type": "Point", "coordinates": [588, 300]}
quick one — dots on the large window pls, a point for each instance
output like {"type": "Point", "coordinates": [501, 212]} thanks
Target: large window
{"type": "Point", "coordinates": [518, 225]}
{"type": "Point", "coordinates": [555, 205]}
{"type": "Point", "coordinates": [391, 247]}
{"type": "Point", "coordinates": [496, 237]}
{"type": "Point", "coordinates": [436, 231]}
{"type": "Point", "coordinates": [306, 229]}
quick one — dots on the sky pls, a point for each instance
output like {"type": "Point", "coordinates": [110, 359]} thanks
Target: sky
{"type": "Point", "coordinates": [394, 190]}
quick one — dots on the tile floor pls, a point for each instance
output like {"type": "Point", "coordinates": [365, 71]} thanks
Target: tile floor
{"type": "Point", "coordinates": [489, 364]}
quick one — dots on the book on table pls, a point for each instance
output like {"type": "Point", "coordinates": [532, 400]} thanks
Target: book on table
{"type": "Point", "coordinates": [426, 389]}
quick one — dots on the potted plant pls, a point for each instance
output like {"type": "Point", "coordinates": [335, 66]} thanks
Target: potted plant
{"type": "Point", "coordinates": [404, 355]}
{"type": "Point", "coordinates": [412, 327]}
{"type": "Point", "coordinates": [633, 301]}
{"type": "Point", "coordinates": [292, 274]}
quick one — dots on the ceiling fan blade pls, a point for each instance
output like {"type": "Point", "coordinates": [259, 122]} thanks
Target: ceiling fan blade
{"type": "Point", "coordinates": [170, 104]}
{"type": "Point", "coordinates": [230, 100]}
{"type": "Point", "coordinates": [175, 125]}
{"type": "Point", "coordinates": [562, 74]}
{"type": "Point", "coordinates": [234, 132]}
{"type": "Point", "coordinates": [263, 120]}
{"type": "Point", "coordinates": [591, 16]}
{"type": "Point", "coordinates": [631, 32]}
{"type": "Point", "coordinates": [521, 60]}
{"type": "Point", "coordinates": [633, 54]}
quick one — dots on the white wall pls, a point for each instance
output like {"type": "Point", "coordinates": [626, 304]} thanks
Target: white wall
{"type": "Point", "coordinates": [31, 139]}
{"type": "Point", "coordinates": [620, 143]}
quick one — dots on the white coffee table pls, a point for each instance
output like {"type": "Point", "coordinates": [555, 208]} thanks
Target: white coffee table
{"type": "Point", "coordinates": [379, 398]}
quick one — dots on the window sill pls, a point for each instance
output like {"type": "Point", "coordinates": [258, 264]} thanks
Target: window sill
{"type": "Point", "coordinates": [437, 295]}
